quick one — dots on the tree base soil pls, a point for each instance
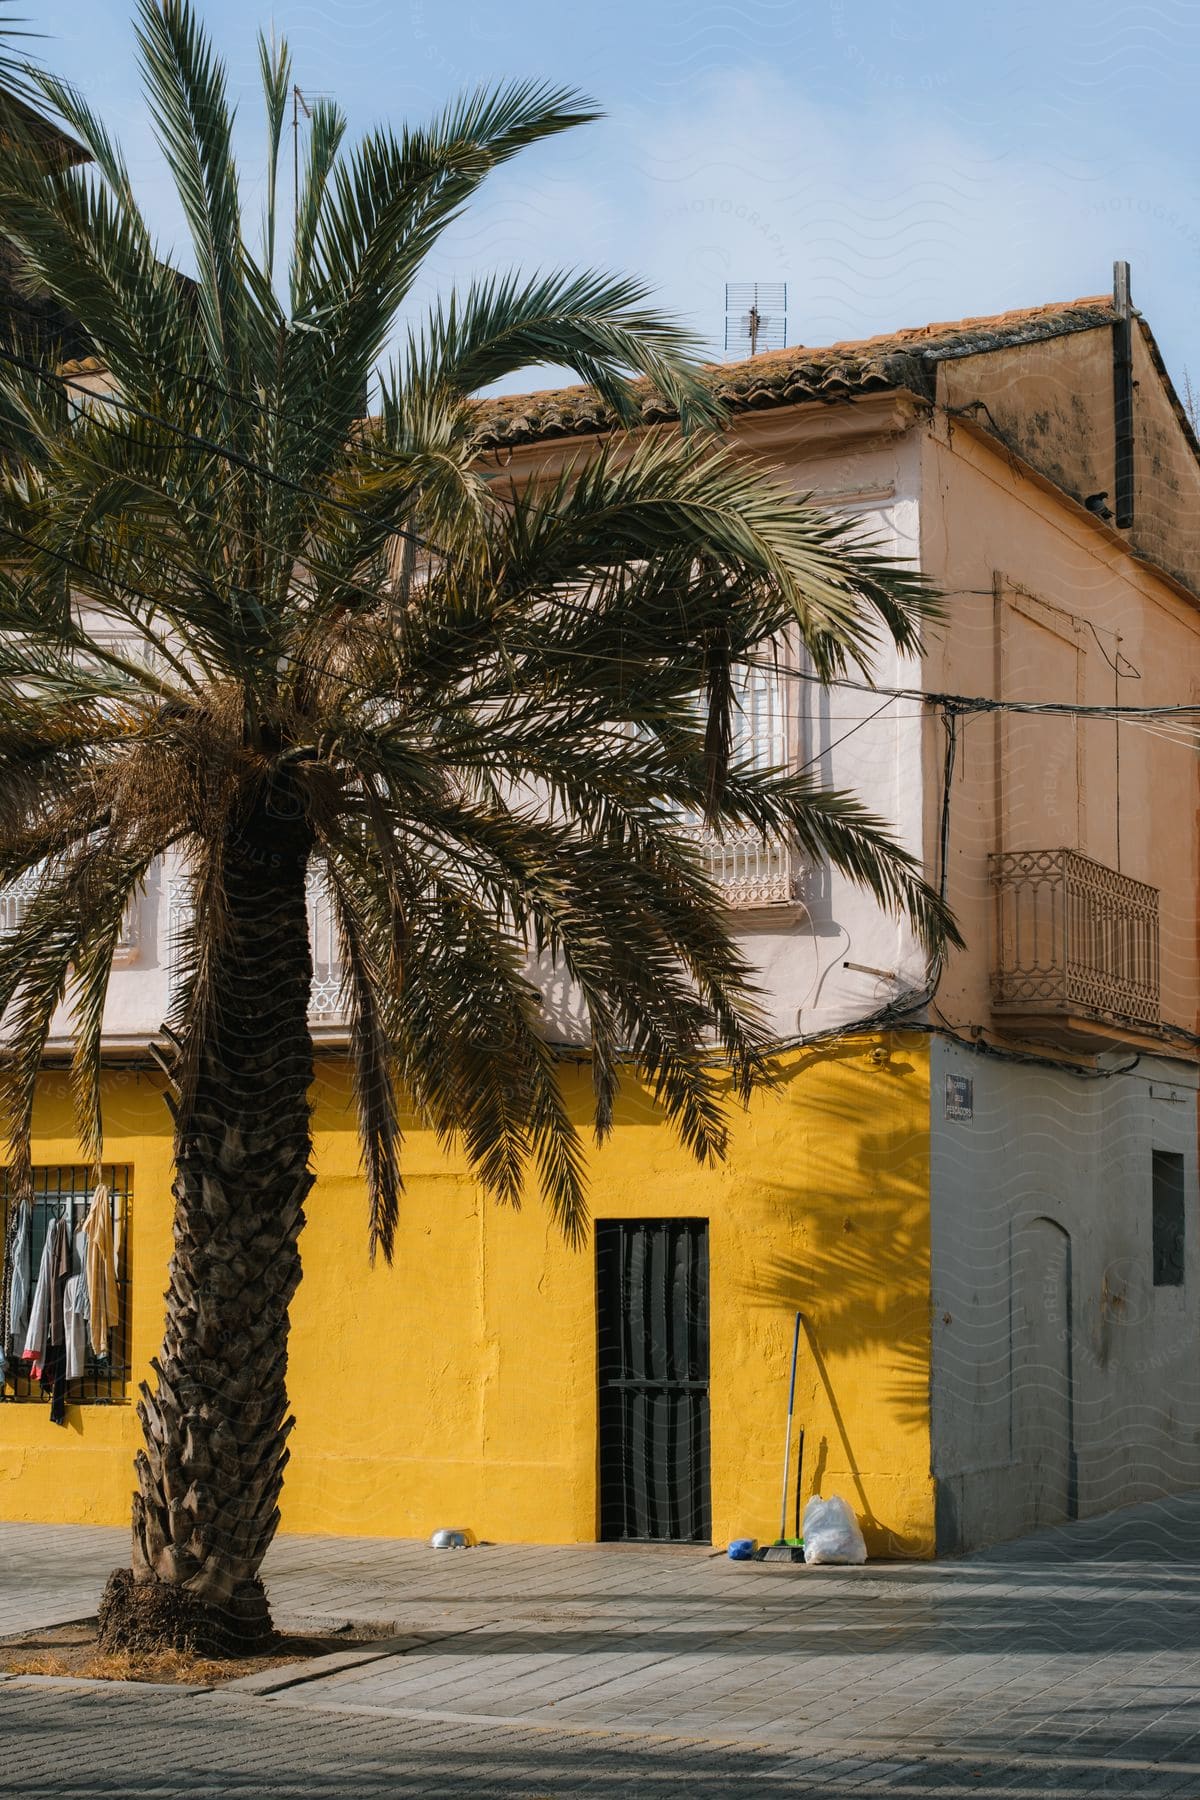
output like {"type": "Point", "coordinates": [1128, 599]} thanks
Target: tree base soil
{"type": "Point", "coordinates": [75, 1650]}
{"type": "Point", "coordinates": [144, 1617]}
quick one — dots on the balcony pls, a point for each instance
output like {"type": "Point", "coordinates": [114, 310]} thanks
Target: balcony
{"type": "Point", "coordinates": [16, 897]}
{"type": "Point", "coordinates": [325, 1002]}
{"type": "Point", "coordinates": [751, 871]}
{"type": "Point", "coordinates": [1076, 950]}
{"type": "Point", "coordinates": [325, 1008]}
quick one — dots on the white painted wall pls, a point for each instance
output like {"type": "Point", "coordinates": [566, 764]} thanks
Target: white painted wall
{"type": "Point", "coordinates": [1026, 1366]}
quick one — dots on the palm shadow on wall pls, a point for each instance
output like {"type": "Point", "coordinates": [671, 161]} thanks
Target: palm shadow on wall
{"type": "Point", "coordinates": [861, 1283]}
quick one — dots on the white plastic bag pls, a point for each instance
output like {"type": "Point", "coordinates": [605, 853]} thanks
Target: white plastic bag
{"type": "Point", "coordinates": [831, 1533]}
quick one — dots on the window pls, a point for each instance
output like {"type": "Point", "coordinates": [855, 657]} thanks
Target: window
{"type": "Point", "coordinates": [1168, 1204]}
{"type": "Point", "coordinates": [67, 1193]}
{"type": "Point", "coordinates": [16, 897]}
{"type": "Point", "coordinates": [760, 734]}
{"type": "Point", "coordinates": [751, 871]}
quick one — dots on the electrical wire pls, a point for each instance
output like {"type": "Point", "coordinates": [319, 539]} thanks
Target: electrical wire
{"type": "Point", "coordinates": [867, 719]}
{"type": "Point", "coordinates": [984, 703]}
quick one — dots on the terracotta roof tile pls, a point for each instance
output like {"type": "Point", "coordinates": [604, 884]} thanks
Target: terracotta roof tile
{"type": "Point", "coordinates": [83, 365]}
{"type": "Point", "coordinates": [897, 359]}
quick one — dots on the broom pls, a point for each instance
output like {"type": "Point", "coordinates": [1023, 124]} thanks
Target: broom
{"type": "Point", "coordinates": [789, 1549]}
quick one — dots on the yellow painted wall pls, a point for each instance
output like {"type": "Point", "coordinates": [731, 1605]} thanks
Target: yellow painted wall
{"type": "Point", "coordinates": [458, 1386]}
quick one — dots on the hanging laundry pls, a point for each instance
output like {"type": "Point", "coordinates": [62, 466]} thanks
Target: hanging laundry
{"type": "Point", "coordinates": [45, 1330]}
{"type": "Point", "coordinates": [20, 1283]}
{"type": "Point", "coordinates": [75, 1320]}
{"type": "Point", "coordinates": [101, 1270]}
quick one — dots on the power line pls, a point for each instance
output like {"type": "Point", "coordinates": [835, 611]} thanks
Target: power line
{"type": "Point", "coordinates": [867, 719]}
{"type": "Point", "coordinates": [983, 703]}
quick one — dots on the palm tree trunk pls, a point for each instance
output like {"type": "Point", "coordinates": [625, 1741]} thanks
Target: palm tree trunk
{"type": "Point", "coordinates": [217, 1422]}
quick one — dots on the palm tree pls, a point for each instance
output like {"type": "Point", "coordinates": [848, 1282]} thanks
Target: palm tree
{"type": "Point", "coordinates": [15, 85]}
{"type": "Point", "coordinates": [22, 124]}
{"type": "Point", "coordinates": [476, 710]}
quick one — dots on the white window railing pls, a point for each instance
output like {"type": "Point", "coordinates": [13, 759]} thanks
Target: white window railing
{"type": "Point", "coordinates": [325, 1001]}
{"type": "Point", "coordinates": [16, 897]}
{"type": "Point", "coordinates": [15, 901]}
{"type": "Point", "coordinates": [750, 870]}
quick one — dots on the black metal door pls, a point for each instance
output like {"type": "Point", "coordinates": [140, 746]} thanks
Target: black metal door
{"type": "Point", "coordinates": [652, 1316]}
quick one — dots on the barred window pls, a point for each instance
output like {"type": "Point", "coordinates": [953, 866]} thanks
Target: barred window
{"type": "Point", "coordinates": [66, 1193]}
{"type": "Point", "coordinates": [16, 897]}
{"type": "Point", "coordinates": [1168, 1217]}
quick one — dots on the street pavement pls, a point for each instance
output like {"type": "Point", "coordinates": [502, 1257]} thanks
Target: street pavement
{"type": "Point", "coordinates": [1067, 1664]}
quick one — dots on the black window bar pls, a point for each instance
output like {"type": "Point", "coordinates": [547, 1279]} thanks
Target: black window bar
{"type": "Point", "coordinates": [67, 1192]}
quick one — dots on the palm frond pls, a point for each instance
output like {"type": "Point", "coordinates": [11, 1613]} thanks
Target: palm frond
{"type": "Point", "coordinates": [14, 68]}
{"type": "Point", "coordinates": [275, 68]}
{"type": "Point", "coordinates": [80, 906]}
{"type": "Point", "coordinates": [327, 129]}
{"type": "Point", "coordinates": [186, 88]}
{"type": "Point", "coordinates": [104, 921]}
{"type": "Point", "coordinates": [837, 825]}
{"type": "Point", "coordinates": [375, 1079]}
{"type": "Point", "coordinates": [621, 506]}
{"type": "Point", "coordinates": [598, 325]}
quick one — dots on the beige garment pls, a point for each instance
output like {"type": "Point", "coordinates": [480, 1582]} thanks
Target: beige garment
{"type": "Point", "coordinates": [101, 1270]}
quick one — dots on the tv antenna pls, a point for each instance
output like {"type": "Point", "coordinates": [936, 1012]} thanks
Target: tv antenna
{"type": "Point", "coordinates": [755, 317]}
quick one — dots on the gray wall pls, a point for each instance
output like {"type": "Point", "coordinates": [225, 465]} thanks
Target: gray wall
{"type": "Point", "coordinates": [1064, 1382]}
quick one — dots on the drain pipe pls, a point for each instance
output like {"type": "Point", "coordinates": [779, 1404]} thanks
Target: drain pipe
{"type": "Point", "coordinates": [1123, 385]}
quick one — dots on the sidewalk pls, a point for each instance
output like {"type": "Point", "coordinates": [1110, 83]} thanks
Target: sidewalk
{"type": "Point", "coordinates": [1068, 1663]}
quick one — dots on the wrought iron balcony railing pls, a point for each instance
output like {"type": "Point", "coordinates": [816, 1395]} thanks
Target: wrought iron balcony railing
{"type": "Point", "coordinates": [17, 896]}
{"type": "Point", "coordinates": [1073, 937]}
{"type": "Point", "coordinates": [750, 870]}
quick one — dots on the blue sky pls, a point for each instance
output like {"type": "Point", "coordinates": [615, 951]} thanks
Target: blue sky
{"type": "Point", "coordinates": [893, 162]}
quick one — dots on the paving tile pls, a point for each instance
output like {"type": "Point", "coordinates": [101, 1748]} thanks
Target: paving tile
{"type": "Point", "coordinates": [1053, 1667]}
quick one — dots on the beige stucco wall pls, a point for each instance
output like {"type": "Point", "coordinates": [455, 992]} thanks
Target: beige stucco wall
{"type": "Point", "coordinates": [1166, 521]}
{"type": "Point", "coordinates": [1042, 601]}
{"type": "Point", "coordinates": [1051, 401]}
{"type": "Point", "coordinates": [1063, 1378]}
